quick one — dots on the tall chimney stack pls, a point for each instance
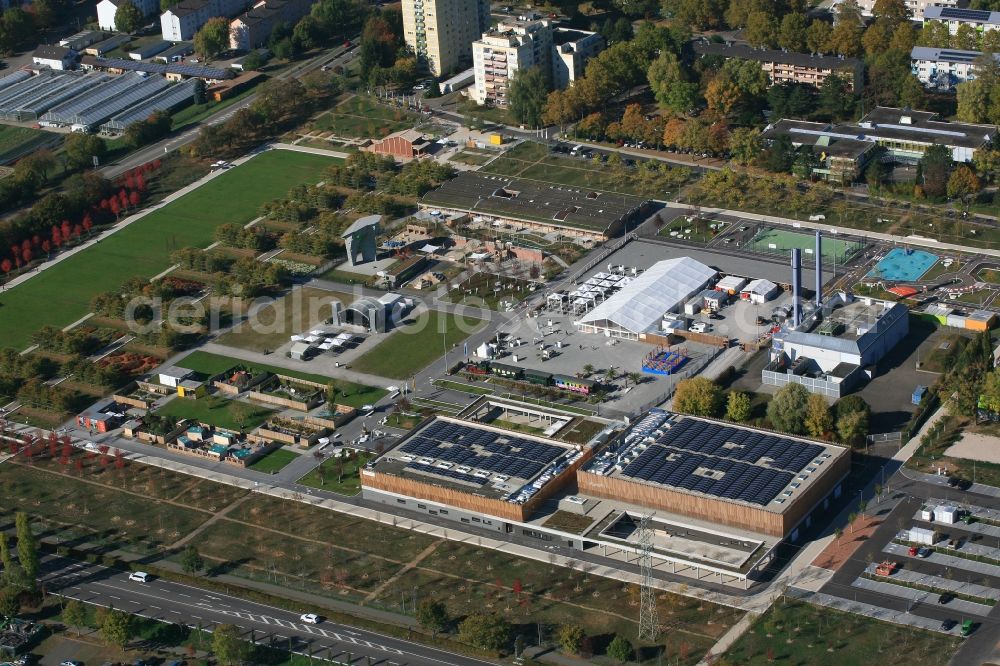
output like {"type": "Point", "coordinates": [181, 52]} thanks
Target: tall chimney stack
{"type": "Point", "coordinates": [819, 268]}
{"type": "Point", "coordinates": [796, 287]}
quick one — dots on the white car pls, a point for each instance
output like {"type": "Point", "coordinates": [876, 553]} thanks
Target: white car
{"type": "Point", "coordinates": [309, 618]}
{"type": "Point", "coordinates": [139, 576]}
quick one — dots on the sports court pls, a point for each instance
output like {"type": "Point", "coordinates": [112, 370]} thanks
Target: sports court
{"type": "Point", "coordinates": [903, 265]}
{"type": "Point", "coordinates": [780, 241]}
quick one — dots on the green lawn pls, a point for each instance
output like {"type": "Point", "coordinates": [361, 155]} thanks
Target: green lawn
{"type": "Point", "coordinates": [349, 393]}
{"type": "Point", "coordinates": [61, 294]}
{"type": "Point", "coordinates": [17, 141]}
{"type": "Point", "coordinates": [217, 411]}
{"type": "Point", "coordinates": [413, 347]}
{"type": "Point", "coordinates": [274, 461]}
{"type": "Point", "coordinates": [795, 632]}
{"type": "Point", "coordinates": [338, 475]}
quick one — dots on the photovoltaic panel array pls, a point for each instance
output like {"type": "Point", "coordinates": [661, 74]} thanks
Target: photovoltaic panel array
{"type": "Point", "coordinates": [743, 445]}
{"type": "Point", "coordinates": [960, 14]}
{"type": "Point", "coordinates": [729, 463]}
{"type": "Point", "coordinates": [498, 453]}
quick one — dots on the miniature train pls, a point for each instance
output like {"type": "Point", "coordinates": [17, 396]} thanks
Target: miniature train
{"type": "Point", "coordinates": [538, 377]}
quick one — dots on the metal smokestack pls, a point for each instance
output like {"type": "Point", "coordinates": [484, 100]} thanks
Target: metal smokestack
{"type": "Point", "coordinates": [819, 269]}
{"type": "Point", "coordinates": [796, 287]}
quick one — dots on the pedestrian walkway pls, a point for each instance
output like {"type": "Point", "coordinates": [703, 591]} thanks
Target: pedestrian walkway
{"type": "Point", "coordinates": [727, 639]}
{"type": "Point", "coordinates": [908, 449]}
{"type": "Point", "coordinates": [308, 149]}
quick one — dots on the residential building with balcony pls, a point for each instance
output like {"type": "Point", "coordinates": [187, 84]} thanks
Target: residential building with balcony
{"type": "Point", "coordinates": [509, 47]}
{"type": "Point", "coordinates": [981, 20]}
{"type": "Point", "coordinates": [784, 66]}
{"type": "Point", "coordinates": [180, 22]}
{"type": "Point", "coordinates": [571, 49]}
{"type": "Point", "coordinates": [943, 69]}
{"type": "Point", "coordinates": [916, 7]}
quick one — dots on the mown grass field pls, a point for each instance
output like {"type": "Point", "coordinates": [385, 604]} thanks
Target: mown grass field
{"type": "Point", "coordinates": [410, 349]}
{"type": "Point", "coordinates": [61, 294]}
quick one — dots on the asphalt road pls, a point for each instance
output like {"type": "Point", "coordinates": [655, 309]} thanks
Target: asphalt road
{"type": "Point", "coordinates": [181, 604]}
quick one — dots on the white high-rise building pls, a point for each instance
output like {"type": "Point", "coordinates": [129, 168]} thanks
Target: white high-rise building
{"type": "Point", "coordinates": [441, 32]}
{"type": "Point", "coordinates": [507, 48]}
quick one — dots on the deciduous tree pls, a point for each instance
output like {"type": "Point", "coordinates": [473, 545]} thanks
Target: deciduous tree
{"type": "Point", "coordinates": [620, 649]}
{"type": "Point", "coordinates": [485, 630]}
{"type": "Point", "coordinates": [527, 96]}
{"type": "Point", "coordinates": [738, 406]}
{"type": "Point", "coordinates": [128, 18]}
{"type": "Point", "coordinates": [818, 419]}
{"type": "Point", "coordinates": [787, 410]}
{"type": "Point", "coordinates": [228, 646]}
{"type": "Point", "coordinates": [213, 38]}
{"type": "Point", "coordinates": [570, 637]}
{"type": "Point", "coordinates": [699, 396]}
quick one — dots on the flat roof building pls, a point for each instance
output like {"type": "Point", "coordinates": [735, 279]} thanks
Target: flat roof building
{"type": "Point", "coordinates": [789, 66]}
{"type": "Point", "coordinates": [832, 353]}
{"type": "Point", "coordinates": [441, 32]}
{"type": "Point", "coordinates": [981, 20]}
{"type": "Point", "coordinates": [725, 474]}
{"type": "Point", "coordinates": [527, 204]}
{"type": "Point", "coordinates": [915, 7]}
{"type": "Point", "coordinates": [478, 468]}
{"type": "Point", "coordinates": [943, 69]}
{"type": "Point", "coordinates": [571, 50]}
{"type": "Point", "coordinates": [504, 50]}
{"type": "Point", "coordinates": [844, 148]}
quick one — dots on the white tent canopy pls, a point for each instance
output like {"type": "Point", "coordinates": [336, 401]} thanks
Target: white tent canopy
{"type": "Point", "coordinates": [639, 306]}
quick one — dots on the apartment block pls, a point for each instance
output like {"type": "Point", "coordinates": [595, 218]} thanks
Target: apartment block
{"type": "Point", "coordinates": [253, 29]}
{"type": "Point", "coordinates": [981, 20]}
{"type": "Point", "coordinates": [785, 66]}
{"type": "Point", "coordinates": [916, 7]}
{"type": "Point", "coordinates": [180, 22]}
{"type": "Point", "coordinates": [499, 54]}
{"type": "Point", "coordinates": [943, 69]}
{"type": "Point", "coordinates": [106, 10]}
{"type": "Point", "coordinates": [441, 32]}
{"type": "Point", "coordinates": [571, 49]}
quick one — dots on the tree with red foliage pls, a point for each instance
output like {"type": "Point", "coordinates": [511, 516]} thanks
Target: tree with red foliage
{"type": "Point", "coordinates": [119, 459]}
{"type": "Point", "coordinates": [6, 266]}
{"type": "Point", "coordinates": [79, 465]}
{"type": "Point", "coordinates": [129, 181]}
{"type": "Point", "coordinates": [53, 444]}
{"type": "Point", "coordinates": [27, 255]}
{"type": "Point", "coordinates": [29, 453]}
{"type": "Point", "coordinates": [134, 198]}
{"type": "Point", "coordinates": [67, 449]}
{"type": "Point", "coordinates": [103, 461]}
{"type": "Point", "coordinates": [25, 245]}
{"type": "Point", "coordinates": [65, 229]}
{"type": "Point", "coordinates": [87, 222]}
{"type": "Point", "coordinates": [56, 236]}
{"type": "Point", "coordinates": [77, 230]}
{"type": "Point", "coordinates": [105, 204]}
{"type": "Point", "coordinates": [517, 588]}
{"type": "Point", "coordinates": [140, 182]}
{"type": "Point", "coordinates": [104, 448]}
{"type": "Point", "coordinates": [17, 262]}
{"type": "Point", "coordinates": [156, 164]}
{"type": "Point", "coordinates": [123, 198]}
{"type": "Point", "coordinates": [115, 208]}
{"type": "Point", "coordinates": [46, 247]}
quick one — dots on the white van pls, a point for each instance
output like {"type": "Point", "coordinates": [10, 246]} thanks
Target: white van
{"type": "Point", "coordinates": [817, 218]}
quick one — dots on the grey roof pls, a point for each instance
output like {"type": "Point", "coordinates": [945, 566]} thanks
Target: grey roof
{"type": "Point", "coordinates": [531, 200]}
{"type": "Point", "coordinates": [773, 55]}
{"type": "Point", "coordinates": [176, 372]}
{"type": "Point", "coordinates": [961, 15]}
{"type": "Point", "coordinates": [920, 126]}
{"type": "Point", "coordinates": [197, 71]}
{"type": "Point", "coordinates": [836, 140]}
{"type": "Point", "coordinates": [945, 55]}
{"type": "Point", "coordinates": [361, 223]}
{"type": "Point", "coordinates": [52, 52]}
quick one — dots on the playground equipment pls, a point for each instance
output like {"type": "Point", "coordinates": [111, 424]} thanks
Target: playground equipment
{"type": "Point", "coordinates": [663, 361]}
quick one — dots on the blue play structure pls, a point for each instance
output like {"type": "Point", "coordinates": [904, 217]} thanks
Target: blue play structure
{"type": "Point", "coordinates": [664, 362]}
{"type": "Point", "coordinates": [903, 265]}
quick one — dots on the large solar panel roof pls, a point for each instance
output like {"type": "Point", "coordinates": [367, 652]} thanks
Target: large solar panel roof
{"type": "Point", "coordinates": [480, 449]}
{"type": "Point", "coordinates": [722, 461]}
